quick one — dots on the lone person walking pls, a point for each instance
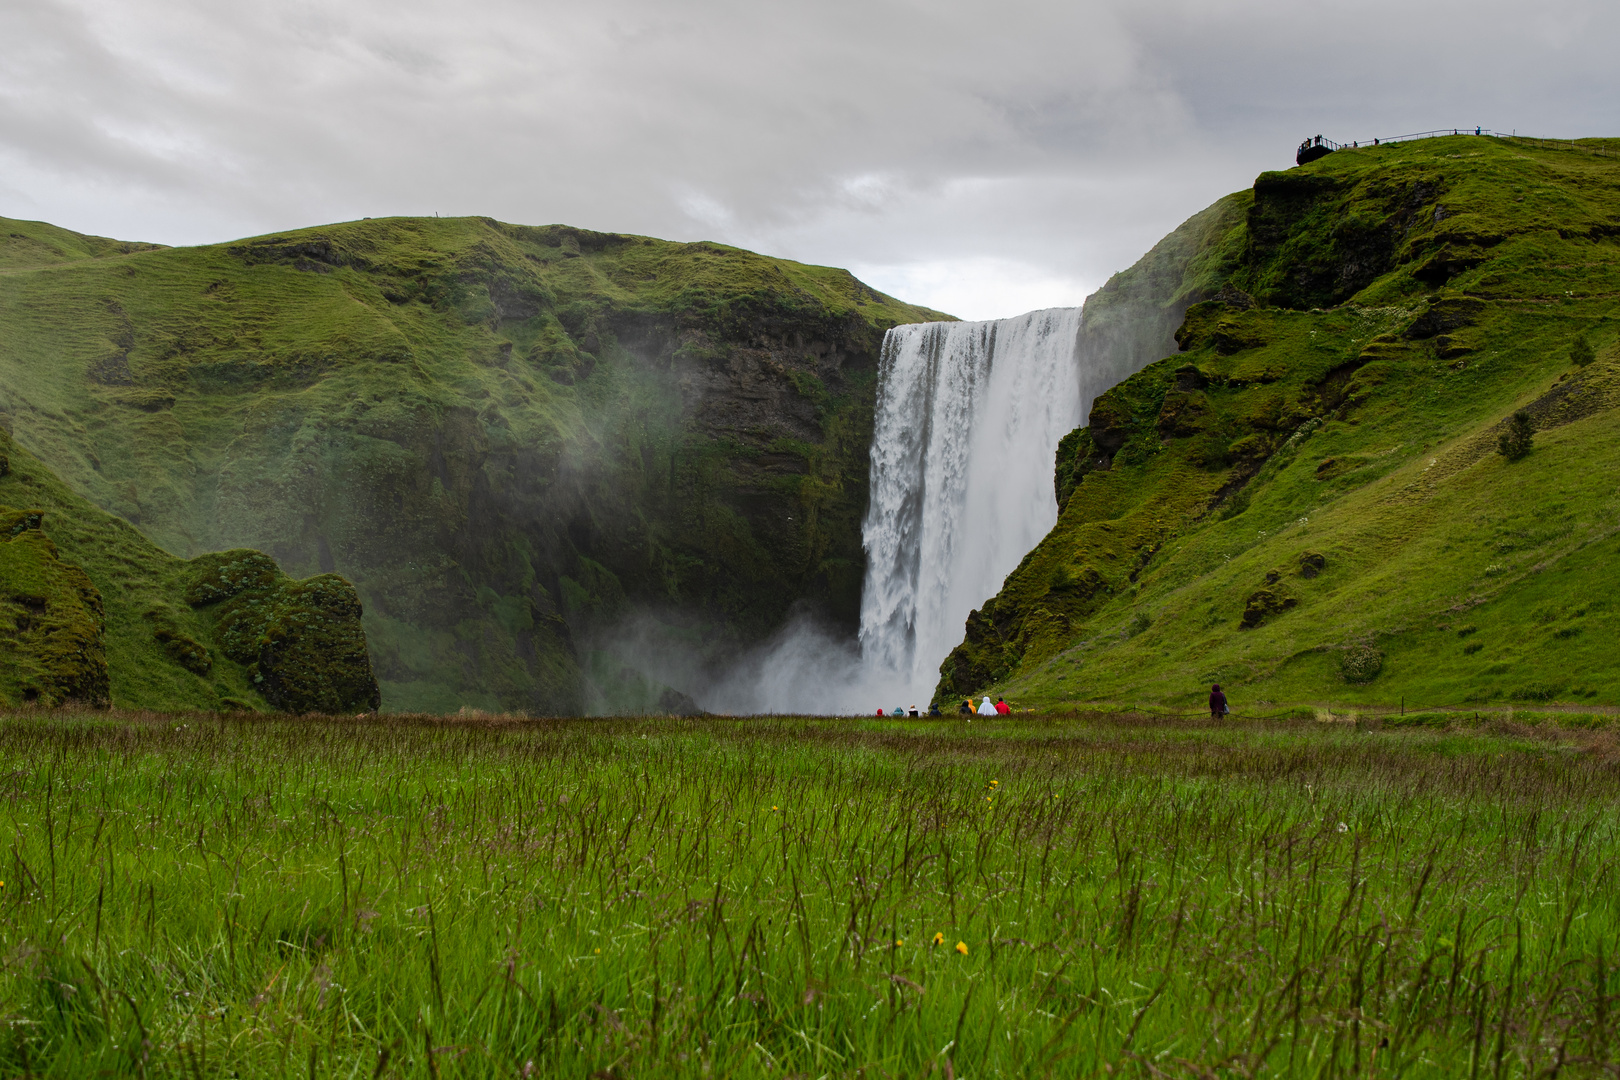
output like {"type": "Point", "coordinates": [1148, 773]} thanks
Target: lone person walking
{"type": "Point", "coordinates": [1217, 702]}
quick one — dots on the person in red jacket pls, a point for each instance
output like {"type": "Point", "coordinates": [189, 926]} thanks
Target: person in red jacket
{"type": "Point", "coordinates": [1217, 702]}
{"type": "Point", "coordinates": [1001, 707]}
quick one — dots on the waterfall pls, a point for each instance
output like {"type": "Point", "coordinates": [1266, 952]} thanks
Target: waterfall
{"type": "Point", "coordinates": [968, 420]}
{"type": "Point", "coordinates": [967, 423]}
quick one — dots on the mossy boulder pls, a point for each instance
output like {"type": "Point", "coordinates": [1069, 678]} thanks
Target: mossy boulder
{"type": "Point", "coordinates": [313, 655]}
{"type": "Point", "coordinates": [1265, 603]}
{"type": "Point", "coordinates": [301, 641]}
{"type": "Point", "coordinates": [222, 575]}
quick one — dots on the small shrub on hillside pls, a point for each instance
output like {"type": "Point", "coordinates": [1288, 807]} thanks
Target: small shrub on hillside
{"type": "Point", "coordinates": [1139, 623]}
{"type": "Point", "coordinates": [1516, 440]}
{"type": "Point", "coordinates": [1361, 663]}
{"type": "Point", "coordinates": [1473, 647]}
{"type": "Point", "coordinates": [1581, 352]}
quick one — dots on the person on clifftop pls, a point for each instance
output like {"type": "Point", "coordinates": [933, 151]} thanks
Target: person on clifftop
{"type": "Point", "coordinates": [966, 708]}
{"type": "Point", "coordinates": [1002, 707]}
{"type": "Point", "coordinates": [1217, 703]}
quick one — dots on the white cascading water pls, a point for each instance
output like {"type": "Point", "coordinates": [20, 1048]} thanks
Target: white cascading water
{"type": "Point", "coordinates": [969, 416]}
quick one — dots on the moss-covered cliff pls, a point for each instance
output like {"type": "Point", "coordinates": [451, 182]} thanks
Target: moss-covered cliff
{"type": "Point", "coordinates": [94, 612]}
{"type": "Point", "coordinates": [504, 436]}
{"type": "Point", "coordinates": [1307, 500]}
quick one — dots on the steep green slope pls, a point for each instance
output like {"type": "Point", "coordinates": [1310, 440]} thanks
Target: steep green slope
{"type": "Point", "coordinates": [505, 436]}
{"type": "Point", "coordinates": [92, 611]}
{"type": "Point", "coordinates": [1307, 504]}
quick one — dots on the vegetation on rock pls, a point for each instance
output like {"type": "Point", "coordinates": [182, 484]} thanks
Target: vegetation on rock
{"type": "Point", "coordinates": [93, 612]}
{"type": "Point", "coordinates": [1339, 395]}
{"type": "Point", "coordinates": [505, 436]}
{"type": "Point", "coordinates": [50, 620]}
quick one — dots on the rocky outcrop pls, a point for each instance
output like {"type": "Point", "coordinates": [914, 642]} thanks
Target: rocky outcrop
{"type": "Point", "coordinates": [93, 613]}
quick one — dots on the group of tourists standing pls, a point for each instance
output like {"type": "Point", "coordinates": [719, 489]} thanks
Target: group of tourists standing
{"type": "Point", "coordinates": [998, 708]}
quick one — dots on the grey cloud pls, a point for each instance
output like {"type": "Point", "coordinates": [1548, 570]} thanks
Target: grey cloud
{"type": "Point", "coordinates": [1062, 138]}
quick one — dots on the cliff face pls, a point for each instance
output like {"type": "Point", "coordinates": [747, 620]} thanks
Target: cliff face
{"type": "Point", "coordinates": [93, 612]}
{"type": "Point", "coordinates": [1307, 500]}
{"type": "Point", "coordinates": [506, 437]}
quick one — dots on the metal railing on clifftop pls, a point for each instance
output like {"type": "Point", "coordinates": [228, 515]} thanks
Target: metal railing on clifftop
{"type": "Point", "coordinates": [1312, 149]}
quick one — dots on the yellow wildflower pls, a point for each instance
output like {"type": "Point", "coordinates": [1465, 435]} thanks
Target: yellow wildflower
{"type": "Point", "coordinates": [899, 942]}
{"type": "Point", "coordinates": [939, 939]}
{"type": "Point", "coordinates": [961, 947]}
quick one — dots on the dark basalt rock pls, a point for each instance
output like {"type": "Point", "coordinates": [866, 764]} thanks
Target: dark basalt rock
{"type": "Point", "coordinates": [1110, 422]}
{"type": "Point", "coordinates": [1445, 315]}
{"type": "Point", "coordinates": [1188, 377]}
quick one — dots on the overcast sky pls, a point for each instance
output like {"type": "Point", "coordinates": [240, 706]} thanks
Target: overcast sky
{"type": "Point", "coordinates": [985, 158]}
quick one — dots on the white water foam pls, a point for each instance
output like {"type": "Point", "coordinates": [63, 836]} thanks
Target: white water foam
{"type": "Point", "coordinates": [969, 416]}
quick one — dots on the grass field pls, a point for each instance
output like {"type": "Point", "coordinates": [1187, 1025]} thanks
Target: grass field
{"type": "Point", "coordinates": [204, 896]}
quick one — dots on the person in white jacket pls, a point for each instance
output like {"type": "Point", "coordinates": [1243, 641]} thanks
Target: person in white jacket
{"type": "Point", "coordinates": [987, 709]}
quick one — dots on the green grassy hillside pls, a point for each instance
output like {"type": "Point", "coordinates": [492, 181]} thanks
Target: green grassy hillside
{"type": "Point", "coordinates": [1307, 504]}
{"type": "Point", "coordinates": [92, 611]}
{"type": "Point", "coordinates": [505, 436]}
